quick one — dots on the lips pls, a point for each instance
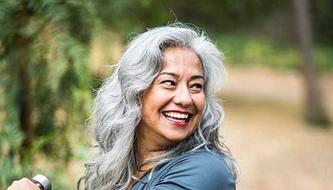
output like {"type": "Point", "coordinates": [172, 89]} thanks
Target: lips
{"type": "Point", "coordinates": [178, 118]}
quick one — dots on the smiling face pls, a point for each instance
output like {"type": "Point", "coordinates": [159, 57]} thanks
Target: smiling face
{"type": "Point", "coordinates": [173, 105]}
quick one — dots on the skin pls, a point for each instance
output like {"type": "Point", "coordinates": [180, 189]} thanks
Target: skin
{"type": "Point", "coordinates": [178, 88]}
{"type": "Point", "coordinates": [23, 184]}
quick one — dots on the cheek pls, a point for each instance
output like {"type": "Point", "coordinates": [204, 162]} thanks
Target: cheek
{"type": "Point", "coordinates": [151, 104]}
{"type": "Point", "coordinates": [201, 103]}
{"type": "Point", "coordinates": [149, 111]}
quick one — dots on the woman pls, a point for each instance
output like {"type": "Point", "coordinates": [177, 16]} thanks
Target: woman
{"type": "Point", "coordinates": [156, 118]}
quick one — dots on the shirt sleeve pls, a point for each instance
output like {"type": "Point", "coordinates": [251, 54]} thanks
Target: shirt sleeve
{"type": "Point", "coordinates": [204, 171]}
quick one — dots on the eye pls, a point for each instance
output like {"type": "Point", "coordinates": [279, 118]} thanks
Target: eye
{"type": "Point", "coordinates": [168, 83]}
{"type": "Point", "coordinates": [196, 87]}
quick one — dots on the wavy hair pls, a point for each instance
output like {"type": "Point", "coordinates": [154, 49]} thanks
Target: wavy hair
{"type": "Point", "coordinates": [117, 106]}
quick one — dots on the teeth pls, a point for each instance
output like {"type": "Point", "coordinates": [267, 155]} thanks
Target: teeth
{"type": "Point", "coordinates": [177, 115]}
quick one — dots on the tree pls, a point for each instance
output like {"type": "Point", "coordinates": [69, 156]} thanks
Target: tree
{"type": "Point", "coordinates": [315, 112]}
{"type": "Point", "coordinates": [135, 15]}
{"type": "Point", "coordinates": [43, 56]}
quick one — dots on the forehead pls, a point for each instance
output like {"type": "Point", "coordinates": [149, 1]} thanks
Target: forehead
{"type": "Point", "coordinates": [182, 60]}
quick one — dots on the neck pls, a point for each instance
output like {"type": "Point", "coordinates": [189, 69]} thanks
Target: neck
{"type": "Point", "coordinates": [148, 147]}
{"type": "Point", "coordinates": [146, 150]}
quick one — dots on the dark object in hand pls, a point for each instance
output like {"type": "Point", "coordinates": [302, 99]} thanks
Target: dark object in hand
{"type": "Point", "coordinates": [42, 182]}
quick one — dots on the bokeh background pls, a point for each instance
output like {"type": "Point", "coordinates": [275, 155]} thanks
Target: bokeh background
{"type": "Point", "coordinates": [54, 54]}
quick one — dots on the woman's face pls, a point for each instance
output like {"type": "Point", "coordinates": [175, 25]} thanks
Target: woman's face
{"type": "Point", "coordinates": [173, 105]}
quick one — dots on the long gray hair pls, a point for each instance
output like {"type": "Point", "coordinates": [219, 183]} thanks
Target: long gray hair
{"type": "Point", "coordinates": [117, 106]}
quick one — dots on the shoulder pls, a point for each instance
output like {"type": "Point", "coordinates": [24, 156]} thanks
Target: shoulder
{"type": "Point", "coordinates": [201, 169]}
{"type": "Point", "coordinates": [202, 161]}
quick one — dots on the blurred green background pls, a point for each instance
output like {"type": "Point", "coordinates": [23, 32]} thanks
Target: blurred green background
{"type": "Point", "coordinates": [54, 54]}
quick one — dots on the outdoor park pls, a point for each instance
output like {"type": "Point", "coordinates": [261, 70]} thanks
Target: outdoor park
{"type": "Point", "coordinates": [277, 96]}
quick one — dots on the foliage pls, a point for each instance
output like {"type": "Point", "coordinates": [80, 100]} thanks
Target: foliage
{"type": "Point", "coordinates": [321, 18]}
{"type": "Point", "coordinates": [225, 15]}
{"type": "Point", "coordinates": [135, 15]}
{"type": "Point", "coordinates": [47, 42]}
{"type": "Point", "coordinates": [249, 50]}
{"type": "Point", "coordinates": [10, 141]}
{"type": "Point", "coordinates": [246, 15]}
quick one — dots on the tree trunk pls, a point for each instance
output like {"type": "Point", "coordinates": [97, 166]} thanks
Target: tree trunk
{"type": "Point", "coordinates": [315, 112]}
{"type": "Point", "coordinates": [25, 97]}
{"type": "Point", "coordinates": [20, 59]}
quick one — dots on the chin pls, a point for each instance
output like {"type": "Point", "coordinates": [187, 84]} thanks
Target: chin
{"type": "Point", "coordinates": [175, 139]}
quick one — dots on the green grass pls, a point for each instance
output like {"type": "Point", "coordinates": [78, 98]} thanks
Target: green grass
{"type": "Point", "coordinates": [249, 50]}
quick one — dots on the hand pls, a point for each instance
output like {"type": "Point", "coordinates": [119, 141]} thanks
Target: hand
{"type": "Point", "coordinates": [23, 184]}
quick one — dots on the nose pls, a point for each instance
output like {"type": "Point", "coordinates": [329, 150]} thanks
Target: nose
{"type": "Point", "coordinates": [182, 96]}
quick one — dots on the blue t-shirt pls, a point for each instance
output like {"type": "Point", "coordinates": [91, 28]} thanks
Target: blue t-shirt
{"type": "Point", "coordinates": [195, 170]}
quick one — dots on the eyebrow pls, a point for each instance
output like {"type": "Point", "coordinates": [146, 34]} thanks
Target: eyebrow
{"type": "Point", "coordinates": [177, 76]}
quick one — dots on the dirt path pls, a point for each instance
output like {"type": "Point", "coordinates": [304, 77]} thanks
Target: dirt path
{"type": "Point", "coordinates": [275, 148]}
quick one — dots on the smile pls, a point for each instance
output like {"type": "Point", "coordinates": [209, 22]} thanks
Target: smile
{"type": "Point", "coordinates": [178, 116]}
